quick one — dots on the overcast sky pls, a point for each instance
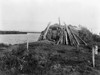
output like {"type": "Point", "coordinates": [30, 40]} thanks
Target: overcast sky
{"type": "Point", "coordinates": [34, 15]}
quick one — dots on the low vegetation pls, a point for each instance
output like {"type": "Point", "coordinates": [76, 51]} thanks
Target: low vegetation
{"type": "Point", "coordinates": [46, 58]}
{"type": "Point", "coordinates": [89, 37]}
{"type": "Point", "coordinates": [12, 32]}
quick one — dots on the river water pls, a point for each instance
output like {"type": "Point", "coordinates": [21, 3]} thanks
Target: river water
{"type": "Point", "coordinates": [18, 38]}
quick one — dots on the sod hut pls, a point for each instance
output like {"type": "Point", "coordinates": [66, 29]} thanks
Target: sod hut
{"type": "Point", "coordinates": [62, 34]}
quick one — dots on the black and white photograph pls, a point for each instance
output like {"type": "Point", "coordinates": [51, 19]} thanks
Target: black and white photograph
{"type": "Point", "coordinates": [49, 37]}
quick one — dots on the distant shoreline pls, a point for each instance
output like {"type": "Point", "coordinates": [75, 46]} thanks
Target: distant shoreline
{"type": "Point", "coordinates": [15, 32]}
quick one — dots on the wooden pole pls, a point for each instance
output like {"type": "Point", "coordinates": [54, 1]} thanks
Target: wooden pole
{"type": "Point", "coordinates": [59, 21]}
{"type": "Point", "coordinates": [27, 42]}
{"type": "Point", "coordinates": [93, 56]}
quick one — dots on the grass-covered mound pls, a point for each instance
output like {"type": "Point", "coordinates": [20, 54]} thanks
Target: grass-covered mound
{"type": "Point", "coordinates": [48, 59]}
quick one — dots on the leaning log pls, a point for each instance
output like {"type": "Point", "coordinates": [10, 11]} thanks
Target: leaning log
{"type": "Point", "coordinates": [66, 39]}
{"type": "Point", "coordinates": [45, 33]}
{"type": "Point", "coordinates": [74, 35]}
{"type": "Point", "coordinates": [69, 35]}
{"type": "Point", "coordinates": [82, 40]}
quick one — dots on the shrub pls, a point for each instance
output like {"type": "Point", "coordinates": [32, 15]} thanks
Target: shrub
{"type": "Point", "coordinates": [86, 35]}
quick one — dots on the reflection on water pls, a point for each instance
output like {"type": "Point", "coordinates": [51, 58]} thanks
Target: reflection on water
{"type": "Point", "coordinates": [18, 38]}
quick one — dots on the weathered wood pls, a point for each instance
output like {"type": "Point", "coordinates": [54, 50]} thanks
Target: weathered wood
{"type": "Point", "coordinates": [69, 35]}
{"type": "Point", "coordinates": [45, 33]}
{"type": "Point", "coordinates": [66, 39]}
{"type": "Point", "coordinates": [74, 35]}
{"type": "Point", "coordinates": [27, 43]}
{"type": "Point", "coordinates": [59, 21]}
{"type": "Point", "coordinates": [93, 56]}
{"type": "Point", "coordinates": [60, 40]}
{"type": "Point", "coordinates": [82, 40]}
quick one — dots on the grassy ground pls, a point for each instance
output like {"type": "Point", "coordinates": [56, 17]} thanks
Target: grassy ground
{"type": "Point", "coordinates": [45, 58]}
